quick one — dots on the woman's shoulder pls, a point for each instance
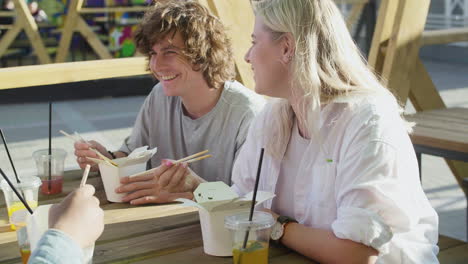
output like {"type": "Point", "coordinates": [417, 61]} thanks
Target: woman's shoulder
{"type": "Point", "coordinates": [378, 117]}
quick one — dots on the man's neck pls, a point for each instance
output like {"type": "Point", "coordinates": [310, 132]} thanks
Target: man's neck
{"type": "Point", "coordinates": [201, 100]}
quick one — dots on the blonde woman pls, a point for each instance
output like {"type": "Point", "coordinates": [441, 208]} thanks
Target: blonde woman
{"type": "Point", "coordinates": [338, 155]}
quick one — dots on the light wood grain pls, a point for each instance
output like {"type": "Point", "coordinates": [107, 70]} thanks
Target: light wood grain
{"type": "Point", "coordinates": [94, 10]}
{"type": "Point", "coordinates": [240, 25]}
{"type": "Point", "coordinates": [444, 36]}
{"type": "Point", "coordinates": [442, 128]}
{"type": "Point", "coordinates": [15, 77]}
{"type": "Point", "coordinates": [7, 13]}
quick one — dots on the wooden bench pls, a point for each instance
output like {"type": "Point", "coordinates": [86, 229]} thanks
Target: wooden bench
{"type": "Point", "coordinates": [452, 251]}
{"type": "Point", "coordinates": [442, 133]}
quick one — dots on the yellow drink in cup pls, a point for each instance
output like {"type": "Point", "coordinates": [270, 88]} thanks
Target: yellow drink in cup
{"type": "Point", "coordinates": [18, 206]}
{"type": "Point", "coordinates": [23, 241]}
{"type": "Point", "coordinates": [28, 189]}
{"type": "Point", "coordinates": [25, 254]}
{"type": "Point", "coordinates": [254, 253]}
{"type": "Point", "coordinates": [257, 232]}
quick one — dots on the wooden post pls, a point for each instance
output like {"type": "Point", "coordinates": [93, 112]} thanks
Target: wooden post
{"type": "Point", "coordinates": [238, 17]}
{"type": "Point", "coordinates": [403, 48]}
{"type": "Point", "coordinates": [25, 21]}
{"type": "Point", "coordinates": [355, 13]}
{"type": "Point", "coordinates": [395, 56]}
{"type": "Point", "coordinates": [74, 22]}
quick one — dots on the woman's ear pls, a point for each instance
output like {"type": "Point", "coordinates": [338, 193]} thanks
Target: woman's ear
{"type": "Point", "coordinates": [288, 48]}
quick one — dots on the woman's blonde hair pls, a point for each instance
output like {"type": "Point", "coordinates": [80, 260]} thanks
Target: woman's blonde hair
{"type": "Point", "coordinates": [207, 46]}
{"type": "Point", "coordinates": [326, 64]}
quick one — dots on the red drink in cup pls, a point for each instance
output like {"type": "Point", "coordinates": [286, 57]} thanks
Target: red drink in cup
{"type": "Point", "coordinates": [53, 186]}
{"type": "Point", "coordinates": [50, 169]}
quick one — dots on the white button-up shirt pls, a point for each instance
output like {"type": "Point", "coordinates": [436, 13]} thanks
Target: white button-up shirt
{"type": "Point", "coordinates": [362, 183]}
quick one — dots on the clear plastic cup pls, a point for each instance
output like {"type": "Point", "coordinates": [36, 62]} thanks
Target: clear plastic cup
{"type": "Point", "coordinates": [257, 233]}
{"type": "Point", "coordinates": [51, 183]}
{"type": "Point", "coordinates": [28, 188]}
{"type": "Point", "coordinates": [23, 242]}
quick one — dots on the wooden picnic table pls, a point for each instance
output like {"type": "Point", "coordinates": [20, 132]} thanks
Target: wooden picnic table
{"type": "Point", "coordinates": [137, 234]}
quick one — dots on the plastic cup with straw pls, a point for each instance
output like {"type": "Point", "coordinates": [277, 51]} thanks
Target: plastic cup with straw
{"type": "Point", "coordinates": [16, 192]}
{"type": "Point", "coordinates": [19, 216]}
{"type": "Point", "coordinates": [20, 197]}
{"type": "Point", "coordinates": [251, 231]}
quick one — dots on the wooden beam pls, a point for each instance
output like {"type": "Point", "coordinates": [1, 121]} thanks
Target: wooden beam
{"type": "Point", "coordinates": [27, 76]}
{"type": "Point", "coordinates": [354, 14]}
{"type": "Point", "coordinates": [32, 31]}
{"type": "Point", "coordinates": [9, 37]}
{"type": "Point", "coordinates": [403, 47]}
{"type": "Point", "coordinates": [68, 29]}
{"type": "Point", "coordinates": [382, 34]}
{"type": "Point", "coordinates": [444, 36]}
{"type": "Point", "coordinates": [25, 21]}
{"type": "Point", "coordinates": [95, 10]}
{"type": "Point", "coordinates": [92, 38]}
{"type": "Point", "coordinates": [239, 24]}
{"type": "Point", "coordinates": [351, 2]}
{"type": "Point", "coordinates": [423, 93]}
{"type": "Point", "coordinates": [7, 13]}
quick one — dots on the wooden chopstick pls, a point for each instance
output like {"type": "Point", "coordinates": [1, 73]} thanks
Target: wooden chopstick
{"type": "Point", "coordinates": [199, 158]}
{"type": "Point", "coordinates": [104, 157]}
{"type": "Point", "coordinates": [191, 156]}
{"type": "Point", "coordinates": [95, 151]}
{"type": "Point", "coordinates": [186, 159]}
{"type": "Point", "coordinates": [68, 135]}
{"type": "Point", "coordinates": [85, 175]}
{"type": "Point", "coordinates": [143, 173]}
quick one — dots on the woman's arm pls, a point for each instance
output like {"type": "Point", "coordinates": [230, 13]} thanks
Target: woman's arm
{"type": "Point", "coordinates": [324, 247]}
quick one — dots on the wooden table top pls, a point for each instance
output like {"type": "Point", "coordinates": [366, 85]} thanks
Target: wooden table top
{"type": "Point", "coordinates": [441, 128]}
{"type": "Point", "coordinates": [138, 234]}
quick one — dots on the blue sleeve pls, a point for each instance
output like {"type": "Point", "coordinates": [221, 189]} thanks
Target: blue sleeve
{"type": "Point", "coordinates": [56, 247]}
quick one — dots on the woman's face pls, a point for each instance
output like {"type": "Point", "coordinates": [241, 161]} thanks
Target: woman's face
{"type": "Point", "coordinates": [266, 55]}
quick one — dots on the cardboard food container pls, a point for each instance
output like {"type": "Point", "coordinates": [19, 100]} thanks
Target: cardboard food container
{"type": "Point", "coordinates": [38, 223]}
{"type": "Point", "coordinates": [134, 163]}
{"type": "Point", "coordinates": [215, 201]}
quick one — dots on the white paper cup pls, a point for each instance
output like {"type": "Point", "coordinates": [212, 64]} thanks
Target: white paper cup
{"type": "Point", "coordinates": [111, 175]}
{"type": "Point", "coordinates": [38, 224]}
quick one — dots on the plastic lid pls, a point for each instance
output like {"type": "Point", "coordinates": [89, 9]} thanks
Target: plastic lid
{"type": "Point", "coordinates": [57, 152]}
{"type": "Point", "coordinates": [260, 220]}
{"type": "Point", "coordinates": [28, 182]}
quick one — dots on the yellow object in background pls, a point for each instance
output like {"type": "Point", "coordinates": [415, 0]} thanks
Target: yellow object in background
{"type": "Point", "coordinates": [17, 206]}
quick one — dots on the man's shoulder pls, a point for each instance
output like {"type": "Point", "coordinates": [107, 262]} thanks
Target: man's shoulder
{"type": "Point", "coordinates": [238, 96]}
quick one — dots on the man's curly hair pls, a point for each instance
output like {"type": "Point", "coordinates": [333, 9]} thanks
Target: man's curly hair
{"type": "Point", "coordinates": [207, 46]}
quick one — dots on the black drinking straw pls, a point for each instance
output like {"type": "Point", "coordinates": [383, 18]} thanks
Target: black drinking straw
{"type": "Point", "coordinates": [50, 145]}
{"type": "Point", "coordinates": [254, 199]}
{"type": "Point", "coordinates": [16, 191]}
{"type": "Point", "coordinates": [9, 157]}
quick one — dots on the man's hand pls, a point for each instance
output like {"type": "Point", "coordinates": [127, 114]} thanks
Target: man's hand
{"type": "Point", "coordinates": [79, 216]}
{"type": "Point", "coordinates": [148, 188]}
{"type": "Point", "coordinates": [83, 150]}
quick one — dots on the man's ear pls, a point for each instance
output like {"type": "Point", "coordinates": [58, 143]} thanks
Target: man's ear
{"type": "Point", "coordinates": [288, 47]}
